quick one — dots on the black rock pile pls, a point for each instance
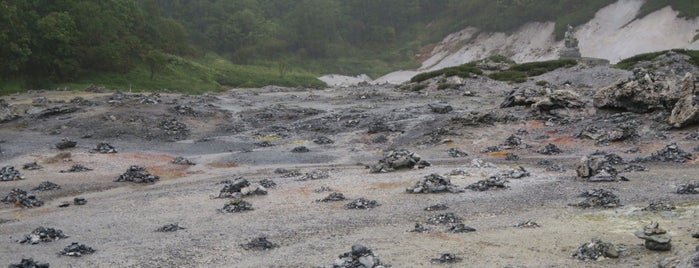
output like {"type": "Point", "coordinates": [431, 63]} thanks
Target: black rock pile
{"type": "Point", "coordinates": [455, 153]}
{"type": "Point", "coordinates": [596, 167]}
{"type": "Point", "coordinates": [47, 186]}
{"type": "Point", "coordinates": [419, 228]}
{"type": "Point", "coordinates": [29, 263]}
{"type": "Point", "coordinates": [437, 207]}
{"type": "Point", "coordinates": [514, 173]}
{"type": "Point", "coordinates": [443, 219]}
{"type": "Point", "coordinates": [76, 249]}
{"type": "Point", "coordinates": [658, 206]}
{"type": "Point", "coordinates": [300, 149]}
{"type": "Point", "coordinates": [172, 227]}
{"type": "Point", "coordinates": [259, 243]}
{"type": "Point", "coordinates": [174, 129]}
{"type": "Point", "coordinates": [20, 197]}
{"type": "Point", "coordinates": [671, 153]}
{"type": "Point", "coordinates": [9, 173]}
{"type": "Point", "coordinates": [461, 228]}
{"type": "Point", "coordinates": [65, 144]}
{"type": "Point", "coordinates": [180, 160]}
{"type": "Point", "coordinates": [527, 224]}
{"type": "Point", "coordinates": [399, 159]}
{"type": "Point", "coordinates": [104, 148]}
{"type": "Point", "coordinates": [333, 197]}
{"type": "Point", "coordinates": [76, 168]}
{"type": "Point", "coordinates": [598, 198]}
{"type": "Point", "coordinates": [359, 257]}
{"type": "Point", "coordinates": [267, 183]}
{"type": "Point", "coordinates": [42, 234]}
{"type": "Point", "coordinates": [655, 238]}
{"type": "Point", "coordinates": [79, 201]}
{"type": "Point", "coordinates": [323, 140]}
{"type": "Point", "coordinates": [362, 203]}
{"type": "Point", "coordinates": [446, 258]}
{"type": "Point", "coordinates": [689, 188]}
{"type": "Point", "coordinates": [550, 149]}
{"type": "Point", "coordinates": [137, 174]}
{"type": "Point", "coordinates": [604, 136]}
{"type": "Point", "coordinates": [240, 187]}
{"type": "Point", "coordinates": [315, 175]}
{"type": "Point", "coordinates": [31, 166]}
{"type": "Point", "coordinates": [488, 184]}
{"type": "Point", "coordinates": [434, 183]}
{"type": "Point", "coordinates": [288, 173]}
{"type": "Point", "coordinates": [595, 250]}
{"type": "Point", "coordinates": [236, 205]}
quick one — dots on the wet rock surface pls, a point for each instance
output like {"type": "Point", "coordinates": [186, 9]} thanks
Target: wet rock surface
{"type": "Point", "coordinates": [596, 250]}
{"type": "Point", "coordinates": [433, 183]}
{"type": "Point", "coordinates": [76, 249]}
{"type": "Point", "coordinates": [259, 243]}
{"type": "Point", "coordinates": [362, 203]}
{"type": "Point", "coordinates": [42, 234]}
{"type": "Point", "coordinates": [655, 238]}
{"type": "Point", "coordinates": [21, 198]}
{"type": "Point", "coordinates": [598, 198]}
{"type": "Point", "coordinates": [359, 257]}
{"type": "Point", "coordinates": [9, 173]}
{"type": "Point", "coordinates": [137, 174]}
{"type": "Point", "coordinates": [172, 227]}
{"type": "Point", "coordinates": [29, 263]}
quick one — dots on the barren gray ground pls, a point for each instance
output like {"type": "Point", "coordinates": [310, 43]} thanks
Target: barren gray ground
{"type": "Point", "coordinates": [120, 218]}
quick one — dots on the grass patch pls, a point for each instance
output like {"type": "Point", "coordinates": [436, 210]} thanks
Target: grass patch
{"type": "Point", "coordinates": [8, 87]}
{"type": "Point", "coordinates": [629, 63]}
{"type": "Point", "coordinates": [464, 70]}
{"type": "Point", "coordinates": [520, 72]}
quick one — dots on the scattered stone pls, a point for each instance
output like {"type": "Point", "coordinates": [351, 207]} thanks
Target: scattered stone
{"type": "Point", "coordinates": [76, 249]}
{"type": "Point", "coordinates": [236, 205]}
{"type": "Point", "coordinates": [455, 153]}
{"type": "Point", "coordinates": [56, 110]}
{"type": "Point", "coordinates": [515, 173]}
{"type": "Point", "coordinates": [656, 238]}
{"type": "Point", "coordinates": [47, 186]}
{"type": "Point", "coordinates": [444, 219]}
{"type": "Point", "coordinates": [286, 173]}
{"type": "Point", "coordinates": [362, 203]}
{"type": "Point", "coordinates": [9, 173]}
{"type": "Point", "coordinates": [359, 257]}
{"type": "Point", "coordinates": [446, 258]}
{"type": "Point", "coordinates": [437, 207]}
{"type": "Point", "coordinates": [29, 263]}
{"type": "Point", "coordinates": [172, 227]}
{"type": "Point", "coordinates": [596, 250]}
{"type": "Point", "coordinates": [671, 153]}
{"type": "Point", "coordinates": [104, 148]}
{"type": "Point", "coordinates": [180, 160]}
{"type": "Point", "coordinates": [79, 201]}
{"type": "Point", "coordinates": [598, 198]}
{"type": "Point", "coordinates": [511, 157]}
{"type": "Point", "coordinates": [31, 166]}
{"type": "Point", "coordinates": [634, 168]}
{"type": "Point", "coordinates": [65, 144]}
{"type": "Point", "coordinates": [550, 149]}
{"type": "Point", "coordinates": [542, 99]}
{"type": "Point", "coordinates": [332, 197]}
{"type": "Point", "coordinates": [137, 174]}
{"type": "Point", "coordinates": [260, 243]}
{"type": "Point", "coordinates": [596, 168]}
{"type": "Point", "coordinates": [323, 140]}
{"type": "Point", "coordinates": [658, 206]}
{"type": "Point", "coordinates": [527, 224]}
{"type": "Point", "coordinates": [42, 234]}
{"type": "Point", "coordinates": [315, 175]}
{"type": "Point", "coordinates": [487, 184]}
{"type": "Point", "coordinates": [268, 183]}
{"type": "Point", "coordinates": [478, 163]}
{"type": "Point", "coordinates": [399, 159]}
{"type": "Point", "coordinates": [240, 187]}
{"type": "Point", "coordinates": [461, 228]}
{"type": "Point", "coordinates": [458, 172]}
{"type": "Point", "coordinates": [605, 136]}
{"type": "Point", "coordinates": [419, 228]}
{"type": "Point", "coordinates": [440, 107]}
{"type": "Point", "coordinates": [300, 149]}
{"type": "Point", "coordinates": [174, 129]}
{"type": "Point", "coordinates": [433, 183]}
{"type": "Point", "coordinates": [264, 144]}
{"type": "Point", "coordinates": [22, 198]}
{"type": "Point", "coordinates": [323, 189]}
{"type": "Point", "coordinates": [689, 188]}
{"type": "Point", "coordinates": [76, 168]}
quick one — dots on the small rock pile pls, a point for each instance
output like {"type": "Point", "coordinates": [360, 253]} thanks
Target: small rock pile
{"type": "Point", "coordinates": [362, 203]}
{"type": "Point", "coordinates": [456, 153]}
{"type": "Point", "coordinates": [315, 175]}
{"type": "Point", "coordinates": [65, 144]}
{"type": "Point", "coordinates": [446, 258]}
{"type": "Point", "coordinates": [31, 166]}
{"type": "Point", "coordinates": [596, 250]}
{"type": "Point", "coordinates": [288, 173]}
{"type": "Point", "coordinates": [527, 224]}
{"type": "Point", "coordinates": [398, 159]}
{"type": "Point", "coordinates": [689, 188]}
{"type": "Point", "coordinates": [440, 107]}
{"type": "Point", "coordinates": [29, 263]}
{"type": "Point", "coordinates": [9, 173]}
{"type": "Point", "coordinates": [20, 197]}
{"type": "Point", "coordinates": [443, 219]}
{"type": "Point", "coordinates": [359, 257]}
{"type": "Point", "coordinates": [419, 228]}
{"type": "Point", "coordinates": [137, 174]}
{"type": "Point", "coordinates": [596, 168]}
{"type": "Point", "coordinates": [489, 183]}
{"type": "Point", "coordinates": [671, 153]}
{"type": "Point", "coordinates": [180, 160]}
{"type": "Point", "coordinates": [104, 148]}
{"type": "Point", "coordinates": [332, 197]}
{"type": "Point", "coordinates": [236, 205]}
{"type": "Point", "coordinates": [434, 183]}
{"type": "Point", "coordinates": [260, 243]}
{"type": "Point", "coordinates": [300, 149]}
{"type": "Point", "coordinates": [656, 238]}
{"type": "Point", "coordinates": [267, 183]}
{"type": "Point", "coordinates": [241, 187]}
{"type": "Point", "coordinates": [76, 249]}
{"type": "Point", "coordinates": [599, 198]}
{"type": "Point", "coordinates": [461, 228]}
{"type": "Point", "coordinates": [323, 140]}
{"type": "Point", "coordinates": [604, 136]}
{"type": "Point", "coordinates": [658, 206]}
{"type": "Point", "coordinates": [76, 168]}
{"type": "Point", "coordinates": [514, 173]}
{"type": "Point", "coordinates": [437, 207]}
{"type": "Point", "coordinates": [550, 149]}
{"type": "Point", "coordinates": [47, 186]}
{"type": "Point", "coordinates": [42, 234]}
{"type": "Point", "coordinates": [172, 227]}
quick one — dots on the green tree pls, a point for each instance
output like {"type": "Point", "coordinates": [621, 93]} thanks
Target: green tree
{"type": "Point", "coordinates": [155, 60]}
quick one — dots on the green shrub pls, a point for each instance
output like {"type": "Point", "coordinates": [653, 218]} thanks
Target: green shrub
{"type": "Point", "coordinates": [542, 83]}
{"type": "Point", "coordinates": [509, 75]}
{"type": "Point", "coordinates": [629, 63]}
{"type": "Point", "coordinates": [464, 70]}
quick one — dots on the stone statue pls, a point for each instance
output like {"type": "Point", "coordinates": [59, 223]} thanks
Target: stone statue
{"type": "Point", "coordinates": [571, 49]}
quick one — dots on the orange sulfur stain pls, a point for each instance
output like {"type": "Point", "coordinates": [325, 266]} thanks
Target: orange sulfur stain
{"type": "Point", "coordinates": [498, 153]}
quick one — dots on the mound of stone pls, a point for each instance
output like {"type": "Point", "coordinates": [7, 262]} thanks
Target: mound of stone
{"type": "Point", "coordinates": [315, 175]}
{"type": "Point", "coordinates": [643, 92]}
{"type": "Point", "coordinates": [671, 153]}
{"type": "Point", "coordinates": [513, 173]}
{"type": "Point", "coordinates": [550, 149]}
{"type": "Point", "coordinates": [267, 183]}
{"type": "Point", "coordinates": [599, 198]}
{"type": "Point", "coordinates": [29, 263]}
{"type": "Point", "coordinates": [31, 166]}
{"type": "Point", "coordinates": [527, 224]}
{"type": "Point", "coordinates": [436, 207]}
{"type": "Point", "coordinates": [460, 228]}
{"type": "Point", "coordinates": [9, 173]}
{"type": "Point", "coordinates": [688, 188]}
{"type": "Point", "coordinates": [240, 187]}
{"type": "Point", "coordinates": [359, 257]}
{"type": "Point", "coordinates": [137, 174]}
{"type": "Point", "coordinates": [259, 243]}
{"type": "Point", "coordinates": [76, 168]}
{"type": "Point", "coordinates": [456, 153]}
{"type": "Point", "coordinates": [399, 159]}
{"type": "Point", "coordinates": [440, 107]}
{"type": "Point", "coordinates": [236, 205]}
{"type": "Point", "coordinates": [543, 99]}
{"type": "Point", "coordinates": [604, 136]}
{"type": "Point", "coordinates": [104, 148]}
{"type": "Point", "coordinates": [79, 201]}
{"type": "Point", "coordinates": [172, 227]}
{"type": "Point", "coordinates": [42, 234]}
{"type": "Point", "coordinates": [47, 186]}
{"type": "Point", "coordinates": [66, 144]}
{"type": "Point", "coordinates": [323, 140]}
{"type": "Point", "coordinates": [446, 258]}
{"type": "Point", "coordinates": [288, 173]}
{"type": "Point", "coordinates": [444, 219]}
{"type": "Point", "coordinates": [658, 206]}
{"type": "Point", "coordinates": [596, 168]}
{"type": "Point", "coordinates": [76, 249]}
{"type": "Point", "coordinates": [362, 203]}
{"type": "Point", "coordinates": [333, 197]}
{"type": "Point", "coordinates": [180, 160]}
{"type": "Point", "coordinates": [21, 198]}
{"type": "Point", "coordinates": [655, 238]}
{"type": "Point", "coordinates": [433, 183]}
{"type": "Point", "coordinates": [300, 149]}
{"type": "Point", "coordinates": [595, 250]}
{"type": "Point", "coordinates": [489, 184]}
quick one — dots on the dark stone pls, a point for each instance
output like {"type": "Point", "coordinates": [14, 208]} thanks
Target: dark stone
{"type": "Point", "coordinates": [259, 243]}
{"type": "Point", "coordinates": [47, 186]}
{"type": "Point", "coordinates": [104, 148]}
{"type": "Point", "coordinates": [323, 140]}
{"type": "Point", "coordinates": [362, 203]}
{"type": "Point", "coordinates": [267, 183]}
{"type": "Point", "coordinates": [689, 188]}
{"type": "Point", "coordinates": [76, 168]}
{"type": "Point", "coordinates": [360, 250]}
{"type": "Point", "coordinates": [22, 198]}
{"type": "Point", "coordinates": [31, 166]}
{"type": "Point", "coordinates": [488, 184]}
{"type": "Point", "coordinates": [437, 207]}
{"type": "Point", "coordinates": [461, 228]}
{"type": "Point", "coordinates": [446, 258]}
{"type": "Point", "coordinates": [300, 149]}
{"type": "Point", "coordinates": [180, 160]}
{"type": "Point", "coordinates": [237, 205]}
{"type": "Point", "coordinates": [455, 152]}
{"type": "Point", "coordinates": [9, 173]}
{"type": "Point", "coordinates": [596, 249]}
{"type": "Point", "coordinates": [79, 201]}
{"type": "Point", "coordinates": [671, 153]}
{"type": "Point", "coordinates": [652, 245]}
{"type": "Point", "coordinates": [658, 206]}
{"type": "Point", "coordinates": [599, 198]}
{"type": "Point", "coordinates": [433, 183]}
{"type": "Point", "coordinates": [172, 227]}
{"type": "Point", "coordinates": [137, 174]}
{"type": "Point", "coordinates": [42, 234]}
{"type": "Point", "coordinates": [65, 144]}
{"type": "Point", "coordinates": [29, 263]}
{"type": "Point", "coordinates": [76, 250]}
{"type": "Point", "coordinates": [527, 224]}
{"type": "Point", "coordinates": [332, 197]}
{"type": "Point", "coordinates": [446, 218]}
{"type": "Point", "coordinates": [550, 149]}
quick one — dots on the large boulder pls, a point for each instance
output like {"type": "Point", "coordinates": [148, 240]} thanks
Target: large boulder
{"type": "Point", "coordinates": [543, 99]}
{"type": "Point", "coordinates": [643, 92]}
{"type": "Point", "coordinates": [686, 110]}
